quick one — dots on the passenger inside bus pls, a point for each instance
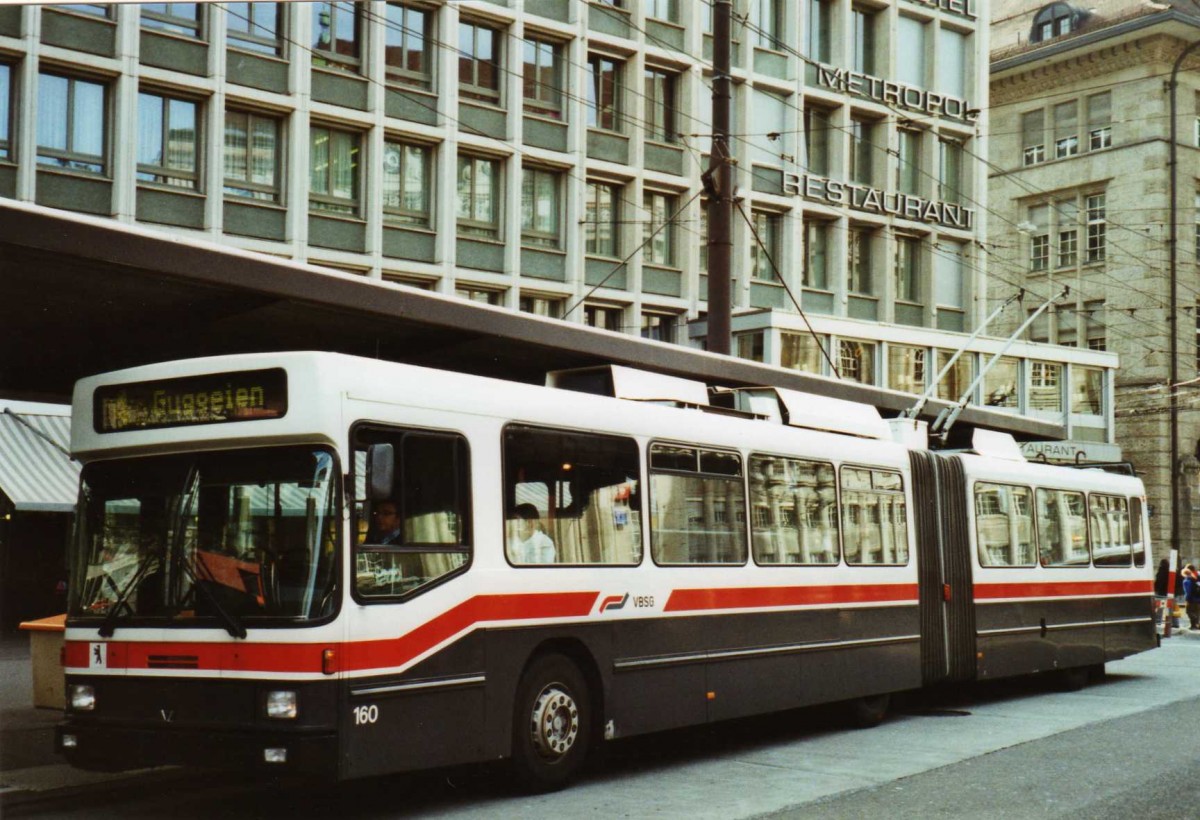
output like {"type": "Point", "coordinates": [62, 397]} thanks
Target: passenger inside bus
{"type": "Point", "coordinates": [530, 544]}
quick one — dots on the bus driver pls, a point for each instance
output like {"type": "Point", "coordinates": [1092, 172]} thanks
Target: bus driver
{"type": "Point", "coordinates": [531, 545]}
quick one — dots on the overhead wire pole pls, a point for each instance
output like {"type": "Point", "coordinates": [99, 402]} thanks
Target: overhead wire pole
{"type": "Point", "coordinates": [1173, 326]}
{"type": "Point", "coordinates": [719, 183]}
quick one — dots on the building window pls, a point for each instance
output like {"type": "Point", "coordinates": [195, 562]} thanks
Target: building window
{"type": "Point", "coordinates": [604, 93]}
{"type": "Point", "coordinates": [604, 317]}
{"type": "Point", "coordinates": [1066, 129]}
{"type": "Point", "coordinates": [817, 127]}
{"type": "Point", "coordinates": [819, 20]}
{"type": "Point", "coordinates": [816, 255]}
{"type": "Point", "coordinates": [1055, 20]}
{"type": "Point", "coordinates": [484, 296]}
{"type": "Point", "coordinates": [862, 148]}
{"type": "Point", "coordinates": [908, 167]}
{"type": "Point", "coordinates": [662, 10]}
{"type": "Point", "coordinates": [1067, 214]}
{"type": "Point", "coordinates": [1039, 238]}
{"type": "Point", "coordinates": [540, 207]}
{"type": "Point", "coordinates": [6, 116]}
{"type": "Point", "coordinates": [408, 45]}
{"type": "Point", "coordinates": [1094, 326]}
{"type": "Point", "coordinates": [1099, 115]}
{"type": "Point", "coordinates": [660, 106]}
{"type": "Point", "coordinates": [906, 368]}
{"type": "Point", "coordinates": [255, 27]}
{"type": "Point", "coordinates": [704, 235]}
{"type": "Point", "coordinates": [1097, 227]}
{"type": "Point", "coordinates": [479, 62]}
{"type": "Point", "coordinates": [910, 52]}
{"type": "Point", "coordinates": [601, 220]}
{"type": "Point", "coordinates": [769, 122]}
{"type": "Point", "coordinates": [176, 18]}
{"type": "Point", "coordinates": [549, 306]}
{"type": "Point", "coordinates": [1196, 213]}
{"type": "Point", "coordinates": [660, 327]}
{"type": "Point", "coordinates": [958, 378]}
{"type": "Point", "coordinates": [950, 176]}
{"type": "Point", "coordinates": [767, 23]}
{"type": "Point", "coordinates": [859, 262]}
{"type": "Point", "coordinates": [856, 361]}
{"type": "Point", "coordinates": [337, 35]}
{"type": "Point", "coordinates": [252, 156]}
{"type": "Point", "coordinates": [1033, 137]}
{"type": "Point", "coordinates": [659, 230]}
{"type": "Point", "coordinates": [406, 184]}
{"type": "Point", "coordinates": [1000, 383]}
{"type": "Point", "coordinates": [952, 69]}
{"type": "Point", "coordinates": [72, 123]}
{"type": "Point", "coordinates": [862, 21]}
{"type": "Point", "coordinates": [168, 141]}
{"type": "Point", "coordinates": [543, 78]}
{"type": "Point", "coordinates": [949, 283]}
{"type": "Point", "coordinates": [333, 170]}
{"type": "Point", "coordinates": [803, 351]}
{"type": "Point", "coordinates": [94, 9]}
{"type": "Point", "coordinates": [1045, 386]}
{"type": "Point", "coordinates": [764, 244]}
{"type": "Point", "coordinates": [908, 269]}
{"type": "Point", "coordinates": [479, 197]}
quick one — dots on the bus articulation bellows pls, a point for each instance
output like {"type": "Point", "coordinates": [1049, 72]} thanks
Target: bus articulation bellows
{"type": "Point", "coordinates": [316, 563]}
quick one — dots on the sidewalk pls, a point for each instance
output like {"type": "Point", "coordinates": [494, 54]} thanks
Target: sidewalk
{"type": "Point", "coordinates": [28, 763]}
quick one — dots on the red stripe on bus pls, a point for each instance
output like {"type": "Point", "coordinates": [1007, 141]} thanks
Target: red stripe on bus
{"type": "Point", "coordinates": [687, 600]}
{"type": "Point", "coordinates": [1062, 589]}
{"type": "Point", "coordinates": [352, 656]}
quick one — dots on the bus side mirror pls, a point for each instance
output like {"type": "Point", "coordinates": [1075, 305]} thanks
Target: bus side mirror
{"type": "Point", "coordinates": [381, 466]}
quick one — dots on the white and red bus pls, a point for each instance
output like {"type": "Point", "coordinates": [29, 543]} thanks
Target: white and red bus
{"type": "Point", "coordinates": [317, 563]}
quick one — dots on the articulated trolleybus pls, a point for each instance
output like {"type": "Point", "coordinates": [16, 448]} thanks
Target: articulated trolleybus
{"type": "Point", "coordinates": [321, 564]}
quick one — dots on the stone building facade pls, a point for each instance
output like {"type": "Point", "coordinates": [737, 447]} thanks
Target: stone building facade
{"type": "Point", "coordinates": [1079, 196]}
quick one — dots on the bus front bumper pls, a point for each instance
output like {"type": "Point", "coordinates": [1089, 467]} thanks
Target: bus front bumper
{"type": "Point", "coordinates": [104, 747]}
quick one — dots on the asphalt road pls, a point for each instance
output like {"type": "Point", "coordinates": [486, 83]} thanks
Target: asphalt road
{"type": "Point", "coordinates": [1120, 748]}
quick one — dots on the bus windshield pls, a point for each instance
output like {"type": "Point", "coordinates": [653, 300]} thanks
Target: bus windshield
{"type": "Point", "coordinates": [225, 537]}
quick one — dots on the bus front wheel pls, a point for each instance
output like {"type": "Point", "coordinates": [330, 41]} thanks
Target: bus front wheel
{"type": "Point", "coordinates": [551, 724]}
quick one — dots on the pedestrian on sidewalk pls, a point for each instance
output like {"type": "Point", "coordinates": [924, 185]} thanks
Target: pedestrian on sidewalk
{"type": "Point", "coordinates": [1161, 579]}
{"type": "Point", "coordinates": [1191, 594]}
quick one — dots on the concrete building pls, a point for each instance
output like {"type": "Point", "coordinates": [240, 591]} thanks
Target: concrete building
{"type": "Point", "coordinates": [1079, 196]}
{"type": "Point", "coordinates": [547, 156]}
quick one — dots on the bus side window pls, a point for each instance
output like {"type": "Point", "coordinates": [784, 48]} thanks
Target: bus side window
{"type": "Point", "coordinates": [421, 532]}
{"type": "Point", "coordinates": [570, 498]}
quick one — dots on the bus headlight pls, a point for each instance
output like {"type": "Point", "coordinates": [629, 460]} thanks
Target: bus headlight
{"type": "Point", "coordinates": [82, 697]}
{"type": "Point", "coordinates": [281, 704]}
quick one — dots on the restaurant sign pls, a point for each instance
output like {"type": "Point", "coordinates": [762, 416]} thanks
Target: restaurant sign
{"type": "Point", "coordinates": [872, 200]}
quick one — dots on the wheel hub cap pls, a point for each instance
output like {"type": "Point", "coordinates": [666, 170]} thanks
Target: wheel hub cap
{"type": "Point", "coordinates": [555, 722]}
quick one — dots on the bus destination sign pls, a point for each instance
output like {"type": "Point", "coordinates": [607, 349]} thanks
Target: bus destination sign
{"type": "Point", "coordinates": [215, 398]}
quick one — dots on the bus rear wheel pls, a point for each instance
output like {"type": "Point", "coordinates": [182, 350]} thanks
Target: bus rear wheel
{"type": "Point", "coordinates": [552, 724]}
{"type": "Point", "coordinates": [868, 712]}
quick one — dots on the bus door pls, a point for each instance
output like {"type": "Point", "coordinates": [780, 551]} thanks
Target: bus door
{"type": "Point", "coordinates": [944, 568]}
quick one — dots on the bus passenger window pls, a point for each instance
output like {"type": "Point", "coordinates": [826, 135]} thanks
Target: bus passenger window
{"type": "Point", "coordinates": [794, 507]}
{"type": "Point", "coordinates": [1137, 529]}
{"type": "Point", "coordinates": [571, 498]}
{"type": "Point", "coordinates": [1004, 526]}
{"type": "Point", "coordinates": [697, 507]}
{"type": "Point", "coordinates": [1111, 544]}
{"type": "Point", "coordinates": [421, 532]}
{"type": "Point", "coordinates": [1061, 528]}
{"type": "Point", "coordinates": [874, 517]}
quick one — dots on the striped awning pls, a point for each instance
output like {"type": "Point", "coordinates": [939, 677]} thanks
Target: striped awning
{"type": "Point", "coordinates": [37, 473]}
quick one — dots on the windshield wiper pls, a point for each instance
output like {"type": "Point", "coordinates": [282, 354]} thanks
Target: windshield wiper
{"type": "Point", "coordinates": [232, 625]}
{"type": "Point", "coordinates": [109, 625]}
